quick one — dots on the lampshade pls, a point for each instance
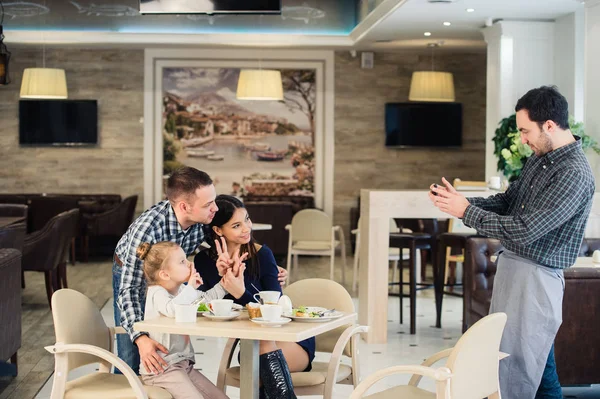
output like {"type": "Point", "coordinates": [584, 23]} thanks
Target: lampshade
{"type": "Point", "coordinates": [259, 84]}
{"type": "Point", "coordinates": [431, 86]}
{"type": "Point", "coordinates": [47, 83]}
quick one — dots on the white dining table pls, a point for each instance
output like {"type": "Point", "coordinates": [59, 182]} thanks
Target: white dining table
{"type": "Point", "coordinates": [261, 226]}
{"type": "Point", "coordinates": [249, 334]}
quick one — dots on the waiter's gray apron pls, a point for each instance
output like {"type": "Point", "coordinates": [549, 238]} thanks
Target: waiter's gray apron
{"type": "Point", "coordinates": [531, 295]}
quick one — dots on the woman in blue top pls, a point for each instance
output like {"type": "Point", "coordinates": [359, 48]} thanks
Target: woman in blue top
{"type": "Point", "coordinates": [232, 226]}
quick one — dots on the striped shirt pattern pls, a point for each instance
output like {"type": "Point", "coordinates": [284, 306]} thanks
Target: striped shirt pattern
{"type": "Point", "coordinates": [542, 215]}
{"type": "Point", "coordinates": [157, 224]}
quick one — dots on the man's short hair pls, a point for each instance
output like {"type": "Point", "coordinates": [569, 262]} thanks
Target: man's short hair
{"type": "Point", "coordinates": [545, 104]}
{"type": "Point", "coordinates": [184, 182]}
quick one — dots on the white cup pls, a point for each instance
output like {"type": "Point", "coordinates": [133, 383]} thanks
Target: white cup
{"type": "Point", "coordinates": [268, 297]}
{"type": "Point", "coordinates": [286, 304]}
{"type": "Point", "coordinates": [185, 313]}
{"type": "Point", "coordinates": [596, 256]}
{"type": "Point", "coordinates": [495, 182]}
{"type": "Point", "coordinates": [271, 312]}
{"type": "Point", "coordinates": [221, 307]}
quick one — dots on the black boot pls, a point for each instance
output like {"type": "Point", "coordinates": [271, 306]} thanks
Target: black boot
{"type": "Point", "coordinates": [275, 376]}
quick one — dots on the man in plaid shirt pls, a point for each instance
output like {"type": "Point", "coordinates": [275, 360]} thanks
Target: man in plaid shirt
{"type": "Point", "coordinates": [540, 220]}
{"type": "Point", "coordinates": [182, 218]}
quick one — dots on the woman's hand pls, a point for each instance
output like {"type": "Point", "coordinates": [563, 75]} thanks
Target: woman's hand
{"type": "Point", "coordinates": [224, 262]}
{"type": "Point", "coordinates": [235, 284]}
{"type": "Point", "coordinates": [195, 279]}
{"type": "Point", "coordinates": [238, 262]}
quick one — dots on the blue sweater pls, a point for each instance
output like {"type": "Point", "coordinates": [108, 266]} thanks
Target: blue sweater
{"type": "Point", "coordinates": [266, 281]}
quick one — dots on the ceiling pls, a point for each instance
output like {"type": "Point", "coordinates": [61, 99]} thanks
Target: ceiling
{"type": "Point", "coordinates": [405, 26]}
{"type": "Point", "coordinates": [392, 25]}
{"type": "Point", "coordinates": [309, 17]}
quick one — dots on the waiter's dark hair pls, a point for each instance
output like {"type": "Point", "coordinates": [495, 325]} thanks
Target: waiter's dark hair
{"type": "Point", "coordinates": [545, 104]}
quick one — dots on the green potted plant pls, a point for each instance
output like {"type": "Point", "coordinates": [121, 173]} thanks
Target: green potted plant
{"type": "Point", "coordinates": [512, 154]}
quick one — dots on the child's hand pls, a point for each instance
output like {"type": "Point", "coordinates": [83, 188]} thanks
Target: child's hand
{"type": "Point", "coordinates": [235, 284]}
{"type": "Point", "coordinates": [195, 279]}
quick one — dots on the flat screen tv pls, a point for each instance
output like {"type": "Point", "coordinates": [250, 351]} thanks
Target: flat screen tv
{"type": "Point", "coordinates": [58, 122]}
{"type": "Point", "coordinates": [210, 6]}
{"type": "Point", "coordinates": [423, 124]}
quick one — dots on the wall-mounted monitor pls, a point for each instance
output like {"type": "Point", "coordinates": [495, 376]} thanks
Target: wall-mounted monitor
{"type": "Point", "coordinates": [58, 122]}
{"type": "Point", "coordinates": [423, 124]}
{"type": "Point", "coordinates": [210, 6]}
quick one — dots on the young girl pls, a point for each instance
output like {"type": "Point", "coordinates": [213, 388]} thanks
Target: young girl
{"type": "Point", "coordinates": [166, 269]}
{"type": "Point", "coordinates": [232, 230]}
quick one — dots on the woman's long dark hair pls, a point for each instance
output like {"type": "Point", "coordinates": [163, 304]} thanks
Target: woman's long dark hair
{"type": "Point", "coordinates": [228, 204]}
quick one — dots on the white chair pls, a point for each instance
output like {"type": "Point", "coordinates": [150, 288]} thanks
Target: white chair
{"type": "Point", "coordinates": [340, 343]}
{"type": "Point", "coordinates": [394, 253]}
{"type": "Point", "coordinates": [83, 338]}
{"type": "Point", "coordinates": [471, 371]}
{"type": "Point", "coordinates": [312, 233]}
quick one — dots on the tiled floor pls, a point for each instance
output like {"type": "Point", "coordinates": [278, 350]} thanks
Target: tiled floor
{"type": "Point", "coordinates": [93, 279]}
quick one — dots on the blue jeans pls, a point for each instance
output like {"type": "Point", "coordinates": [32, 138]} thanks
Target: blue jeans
{"type": "Point", "coordinates": [550, 386]}
{"type": "Point", "coordinates": [127, 351]}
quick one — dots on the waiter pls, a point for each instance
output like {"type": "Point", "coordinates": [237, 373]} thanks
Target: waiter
{"type": "Point", "coordinates": [540, 221]}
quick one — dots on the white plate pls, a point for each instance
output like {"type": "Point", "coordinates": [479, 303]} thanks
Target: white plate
{"type": "Point", "coordinates": [276, 323]}
{"type": "Point", "coordinates": [231, 316]}
{"type": "Point", "coordinates": [328, 316]}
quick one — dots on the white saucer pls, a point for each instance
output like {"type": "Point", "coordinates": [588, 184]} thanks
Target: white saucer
{"type": "Point", "coordinates": [232, 315]}
{"type": "Point", "coordinates": [275, 323]}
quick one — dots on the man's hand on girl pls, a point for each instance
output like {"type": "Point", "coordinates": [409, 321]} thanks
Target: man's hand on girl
{"type": "Point", "coordinates": [282, 275]}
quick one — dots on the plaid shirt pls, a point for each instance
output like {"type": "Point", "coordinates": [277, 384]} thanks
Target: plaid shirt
{"type": "Point", "coordinates": [155, 225]}
{"type": "Point", "coordinates": [542, 215]}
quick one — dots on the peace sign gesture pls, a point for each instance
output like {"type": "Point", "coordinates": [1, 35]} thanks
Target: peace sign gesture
{"type": "Point", "coordinates": [226, 262]}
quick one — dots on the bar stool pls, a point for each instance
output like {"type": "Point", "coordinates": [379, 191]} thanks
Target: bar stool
{"type": "Point", "coordinates": [452, 241]}
{"type": "Point", "coordinates": [413, 242]}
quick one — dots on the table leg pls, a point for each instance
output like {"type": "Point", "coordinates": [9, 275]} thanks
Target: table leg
{"type": "Point", "coordinates": [249, 369]}
{"type": "Point", "coordinates": [439, 275]}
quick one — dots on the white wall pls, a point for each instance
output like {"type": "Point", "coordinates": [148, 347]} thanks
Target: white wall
{"type": "Point", "coordinates": [569, 58]}
{"type": "Point", "coordinates": [592, 79]}
{"type": "Point", "coordinates": [520, 58]}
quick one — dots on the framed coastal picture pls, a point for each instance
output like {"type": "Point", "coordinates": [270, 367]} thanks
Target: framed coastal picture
{"type": "Point", "coordinates": [250, 148]}
{"type": "Point", "coordinates": [253, 149]}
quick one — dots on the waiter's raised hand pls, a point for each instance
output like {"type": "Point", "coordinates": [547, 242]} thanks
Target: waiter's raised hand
{"type": "Point", "coordinates": [447, 199]}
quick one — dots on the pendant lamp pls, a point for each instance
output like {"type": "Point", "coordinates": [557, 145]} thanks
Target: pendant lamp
{"type": "Point", "coordinates": [260, 84]}
{"type": "Point", "coordinates": [432, 85]}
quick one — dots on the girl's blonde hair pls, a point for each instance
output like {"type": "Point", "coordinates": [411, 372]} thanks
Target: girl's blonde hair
{"type": "Point", "coordinates": [154, 255]}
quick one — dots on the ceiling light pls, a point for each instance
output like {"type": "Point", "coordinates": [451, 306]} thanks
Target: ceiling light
{"type": "Point", "coordinates": [470, 10]}
{"type": "Point", "coordinates": [46, 83]}
{"type": "Point", "coordinates": [427, 34]}
{"type": "Point", "coordinates": [447, 23]}
{"type": "Point", "coordinates": [432, 85]}
{"type": "Point", "coordinates": [259, 84]}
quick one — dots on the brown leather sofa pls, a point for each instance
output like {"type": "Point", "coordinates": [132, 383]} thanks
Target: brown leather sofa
{"type": "Point", "coordinates": [577, 347]}
{"type": "Point", "coordinates": [111, 222]}
{"type": "Point", "coordinates": [42, 207]}
{"type": "Point", "coordinates": [10, 305]}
